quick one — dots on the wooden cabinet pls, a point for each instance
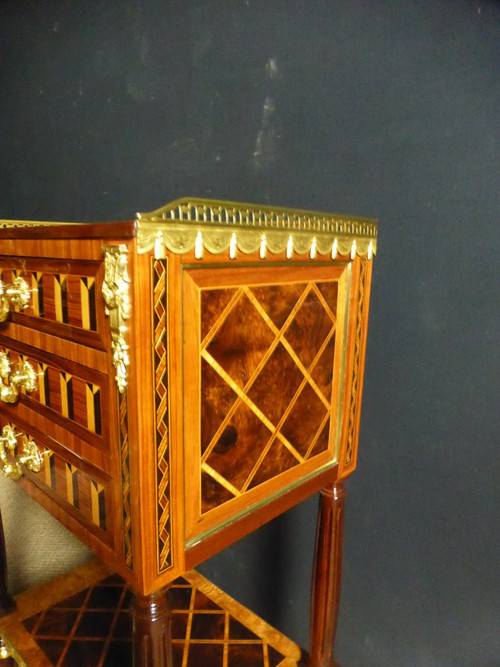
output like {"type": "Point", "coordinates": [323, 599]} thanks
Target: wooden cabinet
{"type": "Point", "coordinates": [198, 371]}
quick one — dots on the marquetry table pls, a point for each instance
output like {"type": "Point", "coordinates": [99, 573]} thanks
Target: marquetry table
{"type": "Point", "coordinates": [169, 384]}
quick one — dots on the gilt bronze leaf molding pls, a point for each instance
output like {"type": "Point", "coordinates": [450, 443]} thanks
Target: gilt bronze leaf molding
{"type": "Point", "coordinates": [219, 227]}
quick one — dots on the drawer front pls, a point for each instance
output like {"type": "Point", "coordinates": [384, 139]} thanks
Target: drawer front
{"type": "Point", "coordinates": [62, 299]}
{"type": "Point", "coordinates": [80, 490]}
{"type": "Point", "coordinates": [68, 401]}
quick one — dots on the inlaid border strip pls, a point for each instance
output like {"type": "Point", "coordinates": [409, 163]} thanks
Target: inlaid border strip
{"type": "Point", "coordinates": [353, 406]}
{"type": "Point", "coordinates": [125, 475]}
{"type": "Point", "coordinates": [161, 396]}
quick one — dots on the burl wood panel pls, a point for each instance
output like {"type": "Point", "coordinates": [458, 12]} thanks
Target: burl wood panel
{"type": "Point", "coordinates": [267, 356]}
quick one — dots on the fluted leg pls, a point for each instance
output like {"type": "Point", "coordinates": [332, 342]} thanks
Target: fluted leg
{"type": "Point", "coordinates": [152, 619]}
{"type": "Point", "coordinates": [326, 576]}
{"type": "Point", "coordinates": [7, 604]}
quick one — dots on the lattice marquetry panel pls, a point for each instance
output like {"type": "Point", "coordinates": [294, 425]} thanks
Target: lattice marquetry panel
{"type": "Point", "coordinates": [209, 629]}
{"type": "Point", "coordinates": [266, 382]}
{"type": "Point", "coordinates": [206, 632]}
{"type": "Point", "coordinates": [59, 297]}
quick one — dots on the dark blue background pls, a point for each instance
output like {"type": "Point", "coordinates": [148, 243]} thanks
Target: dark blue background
{"type": "Point", "coordinates": [386, 109]}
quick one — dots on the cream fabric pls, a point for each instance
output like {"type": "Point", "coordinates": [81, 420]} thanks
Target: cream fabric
{"type": "Point", "coordinates": [38, 547]}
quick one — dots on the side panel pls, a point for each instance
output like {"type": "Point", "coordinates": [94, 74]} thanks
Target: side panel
{"type": "Point", "coordinates": [358, 325]}
{"type": "Point", "coordinates": [264, 353]}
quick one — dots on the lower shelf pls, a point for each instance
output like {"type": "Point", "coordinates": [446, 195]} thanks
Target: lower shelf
{"type": "Point", "coordinates": [82, 619]}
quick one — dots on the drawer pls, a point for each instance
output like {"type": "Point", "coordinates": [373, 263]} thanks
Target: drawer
{"type": "Point", "coordinates": [61, 297]}
{"type": "Point", "coordinates": [80, 490]}
{"type": "Point", "coordinates": [67, 402]}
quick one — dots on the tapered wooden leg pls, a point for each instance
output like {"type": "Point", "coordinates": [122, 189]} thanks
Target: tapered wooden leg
{"type": "Point", "coordinates": [152, 620]}
{"type": "Point", "coordinates": [326, 576]}
{"type": "Point", "coordinates": [7, 604]}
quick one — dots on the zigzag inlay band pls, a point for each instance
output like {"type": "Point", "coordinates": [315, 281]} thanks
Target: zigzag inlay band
{"type": "Point", "coordinates": [125, 466]}
{"type": "Point", "coordinates": [159, 310]}
{"type": "Point", "coordinates": [356, 366]}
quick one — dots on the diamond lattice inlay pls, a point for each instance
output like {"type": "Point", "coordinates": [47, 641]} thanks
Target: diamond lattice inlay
{"type": "Point", "coordinates": [266, 382]}
{"type": "Point", "coordinates": [93, 628]}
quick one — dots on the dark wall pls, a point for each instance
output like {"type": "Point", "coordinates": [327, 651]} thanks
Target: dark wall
{"type": "Point", "coordinates": [376, 108]}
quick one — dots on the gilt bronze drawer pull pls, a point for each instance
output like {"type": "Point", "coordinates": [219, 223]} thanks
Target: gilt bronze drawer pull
{"type": "Point", "coordinates": [23, 377]}
{"type": "Point", "coordinates": [29, 454]}
{"type": "Point", "coordinates": [16, 295]}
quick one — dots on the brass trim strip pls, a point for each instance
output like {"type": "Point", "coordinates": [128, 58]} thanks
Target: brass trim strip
{"type": "Point", "coordinates": [192, 542]}
{"type": "Point", "coordinates": [7, 224]}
